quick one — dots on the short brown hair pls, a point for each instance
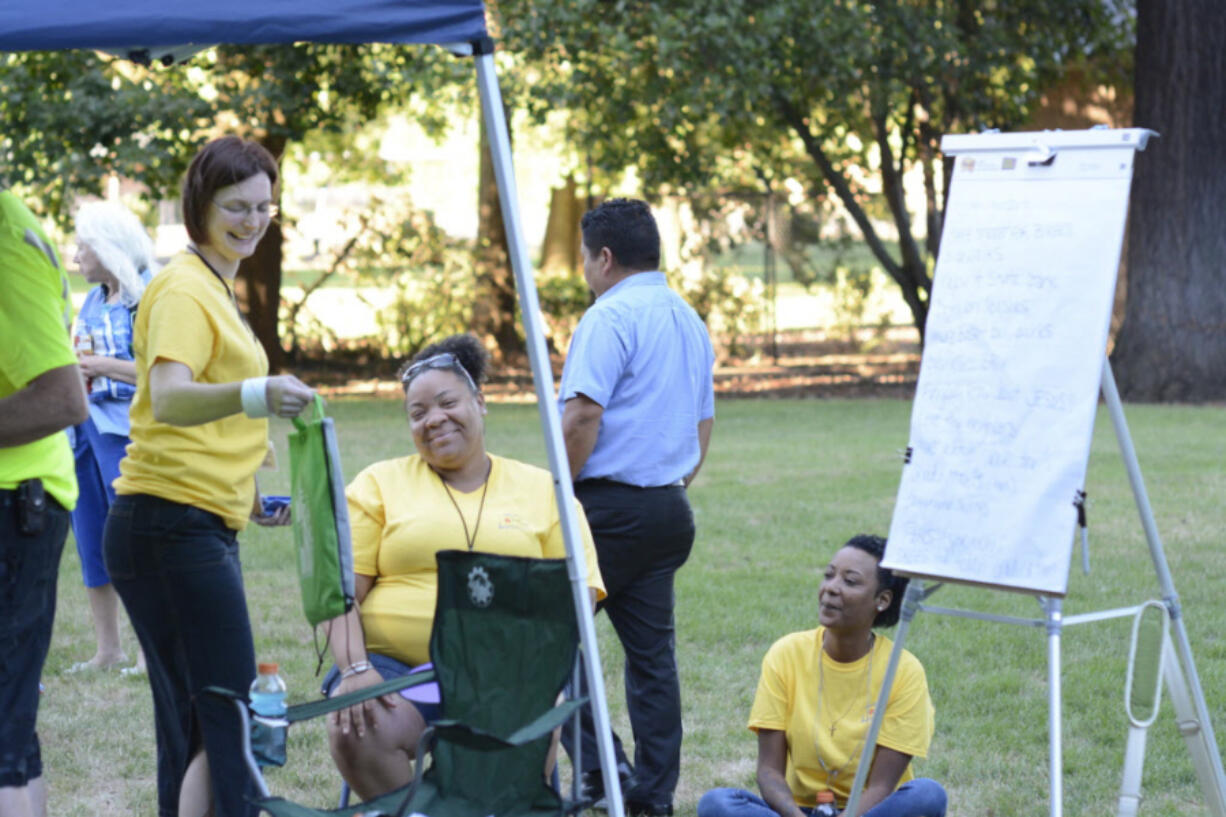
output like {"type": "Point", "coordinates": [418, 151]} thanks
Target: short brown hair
{"type": "Point", "coordinates": [221, 163]}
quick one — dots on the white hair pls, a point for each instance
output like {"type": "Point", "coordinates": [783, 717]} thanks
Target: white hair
{"type": "Point", "coordinates": [119, 240]}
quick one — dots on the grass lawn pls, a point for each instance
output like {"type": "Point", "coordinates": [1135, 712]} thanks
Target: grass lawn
{"type": "Point", "coordinates": [785, 483]}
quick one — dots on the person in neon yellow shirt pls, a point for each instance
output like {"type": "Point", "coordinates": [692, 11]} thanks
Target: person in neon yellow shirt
{"type": "Point", "coordinates": [187, 485]}
{"type": "Point", "coordinates": [41, 394]}
{"type": "Point", "coordinates": [452, 494]}
{"type": "Point", "coordinates": [815, 701]}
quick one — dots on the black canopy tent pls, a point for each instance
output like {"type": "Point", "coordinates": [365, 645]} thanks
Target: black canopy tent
{"type": "Point", "coordinates": [152, 31]}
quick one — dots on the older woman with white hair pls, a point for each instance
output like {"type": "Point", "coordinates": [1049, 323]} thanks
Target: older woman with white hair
{"type": "Point", "coordinates": [114, 252]}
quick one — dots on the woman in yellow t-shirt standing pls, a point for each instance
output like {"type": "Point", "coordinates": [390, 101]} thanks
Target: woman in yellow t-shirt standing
{"type": "Point", "coordinates": [815, 702]}
{"type": "Point", "coordinates": [450, 495]}
{"type": "Point", "coordinates": [187, 484]}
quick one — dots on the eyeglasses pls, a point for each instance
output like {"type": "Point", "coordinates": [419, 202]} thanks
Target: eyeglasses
{"type": "Point", "coordinates": [241, 209]}
{"type": "Point", "coordinates": [443, 360]}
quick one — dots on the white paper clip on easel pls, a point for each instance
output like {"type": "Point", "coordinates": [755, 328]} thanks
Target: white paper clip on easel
{"type": "Point", "coordinates": [1142, 695]}
{"type": "Point", "coordinates": [1041, 155]}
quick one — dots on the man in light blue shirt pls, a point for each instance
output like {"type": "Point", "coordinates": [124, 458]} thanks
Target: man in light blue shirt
{"type": "Point", "coordinates": [637, 403]}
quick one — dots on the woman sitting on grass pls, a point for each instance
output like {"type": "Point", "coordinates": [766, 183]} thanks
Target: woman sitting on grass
{"type": "Point", "coordinates": [451, 494]}
{"type": "Point", "coordinates": [815, 703]}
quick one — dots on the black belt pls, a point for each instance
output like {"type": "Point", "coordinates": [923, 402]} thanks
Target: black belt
{"type": "Point", "coordinates": [615, 484]}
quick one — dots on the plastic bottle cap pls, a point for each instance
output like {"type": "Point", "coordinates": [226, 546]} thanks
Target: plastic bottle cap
{"type": "Point", "coordinates": [825, 796]}
{"type": "Point", "coordinates": [268, 669]}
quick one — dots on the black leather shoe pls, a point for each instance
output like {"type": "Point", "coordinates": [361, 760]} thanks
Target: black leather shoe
{"type": "Point", "coordinates": [634, 809]}
{"type": "Point", "coordinates": [591, 786]}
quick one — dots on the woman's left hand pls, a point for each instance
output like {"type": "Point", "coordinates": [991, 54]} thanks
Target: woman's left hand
{"type": "Point", "coordinates": [281, 516]}
{"type": "Point", "coordinates": [287, 396]}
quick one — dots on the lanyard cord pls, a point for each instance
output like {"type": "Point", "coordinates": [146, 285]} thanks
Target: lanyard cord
{"type": "Point", "coordinates": [242, 318]}
{"type": "Point", "coordinates": [469, 540]}
{"type": "Point", "coordinates": [831, 775]}
{"type": "Point", "coordinates": [192, 249]}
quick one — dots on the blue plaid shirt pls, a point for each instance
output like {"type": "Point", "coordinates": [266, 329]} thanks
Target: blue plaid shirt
{"type": "Point", "coordinates": [109, 326]}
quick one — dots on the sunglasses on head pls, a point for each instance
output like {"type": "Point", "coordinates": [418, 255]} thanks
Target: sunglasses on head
{"type": "Point", "coordinates": [443, 360]}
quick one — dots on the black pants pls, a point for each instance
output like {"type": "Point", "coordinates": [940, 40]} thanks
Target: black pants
{"type": "Point", "coordinates": [29, 566]}
{"type": "Point", "coordinates": [177, 571]}
{"type": "Point", "coordinates": [642, 535]}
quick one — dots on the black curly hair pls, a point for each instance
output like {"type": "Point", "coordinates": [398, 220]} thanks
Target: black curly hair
{"type": "Point", "coordinates": [466, 348]}
{"type": "Point", "coordinates": [886, 580]}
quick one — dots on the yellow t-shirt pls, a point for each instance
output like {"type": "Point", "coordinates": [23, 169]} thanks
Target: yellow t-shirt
{"type": "Point", "coordinates": [186, 316]}
{"type": "Point", "coordinates": [787, 701]}
{"type": "Point", "coordinates": [400, 516]}
{"type": "Point", "coordinates": [35, 313]}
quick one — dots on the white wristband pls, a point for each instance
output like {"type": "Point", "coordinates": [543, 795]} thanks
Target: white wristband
{"type": "Point", "coordinates": [255, 399]}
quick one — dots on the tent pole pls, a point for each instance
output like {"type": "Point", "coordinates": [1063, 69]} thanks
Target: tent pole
{"type": "Point", "coordinates": [542, 376]}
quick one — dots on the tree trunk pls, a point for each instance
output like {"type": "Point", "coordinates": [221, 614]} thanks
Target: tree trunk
{"type": "Point", "coordinates": [560, 250]}
{"type": "Point", "coordinates": [258, 285]}
{"type": "Point", "coordinates": [1172, 345]}
{"type": "Point", "coordinates": [494, 304]}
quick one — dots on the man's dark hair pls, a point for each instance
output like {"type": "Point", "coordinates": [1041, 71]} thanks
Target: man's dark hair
{"type": "Point", "coordinates": [628, 229]}
{"type": "Point", "coordinates": [886, 580]}
{"type": "Point", "coordinates": [221, 163]}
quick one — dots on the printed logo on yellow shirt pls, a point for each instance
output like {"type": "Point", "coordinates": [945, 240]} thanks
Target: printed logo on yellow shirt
{"type": "Point", "coordinates": [511, 521]}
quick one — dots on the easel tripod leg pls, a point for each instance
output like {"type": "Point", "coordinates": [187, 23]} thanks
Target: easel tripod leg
{"type": "Point", "coordinates": [1055, 623]}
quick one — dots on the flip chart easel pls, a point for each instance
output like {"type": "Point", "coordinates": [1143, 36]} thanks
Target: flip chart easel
{"type": "Point", "coordinates": [1004, 409]}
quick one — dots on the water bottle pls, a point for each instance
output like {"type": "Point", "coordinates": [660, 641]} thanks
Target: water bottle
{"type": "Point", "coordinates": [269, 726]}
{"type": "Point", "coordinates": [268, 692]}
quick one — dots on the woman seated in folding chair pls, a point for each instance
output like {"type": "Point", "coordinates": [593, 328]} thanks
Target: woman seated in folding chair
{"type": "Point", "coordinates": [451, 494]}
{"type": "Point", "coordinates": [815, 701]}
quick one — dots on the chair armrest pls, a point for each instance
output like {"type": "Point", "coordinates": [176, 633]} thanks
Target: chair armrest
{"type": "Point", "coordinates": [313, 709]}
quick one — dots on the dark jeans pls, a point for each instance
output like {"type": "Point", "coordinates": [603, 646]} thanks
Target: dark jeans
{"type": "Point", "coordinates": [29, 565]}
{"type": "Point", "coordinates": [920, 797]}
{"type": "Point", "coordinates": [176, 569]}
{"type": "Point", "coordinates": [643, 536]}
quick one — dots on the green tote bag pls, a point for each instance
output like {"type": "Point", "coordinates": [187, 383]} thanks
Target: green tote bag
{"type": "Point", "coordinates": [321, 518]}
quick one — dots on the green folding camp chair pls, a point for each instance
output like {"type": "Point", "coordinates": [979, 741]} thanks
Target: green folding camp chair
{"type": "Point", "coordinates": [503, 645]}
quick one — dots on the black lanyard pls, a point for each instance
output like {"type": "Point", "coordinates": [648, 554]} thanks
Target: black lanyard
{"type": "Point", "coordinates": [230, 292]}
{"type": "Point", "coordinates": [213, 270]}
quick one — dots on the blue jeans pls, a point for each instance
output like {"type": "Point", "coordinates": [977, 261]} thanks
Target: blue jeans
{"type": "Point", "coordinates": [176, 569]}
{"type": "Point", "coordinates": [97, 457]}
{"type": "Point", "coordinates": [29, 566]}
{"type": "Point", "coordinates": [921, 797]}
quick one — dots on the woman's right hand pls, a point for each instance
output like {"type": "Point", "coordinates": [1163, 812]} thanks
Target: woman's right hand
{"type": "Point", "coordinates": [287, 396]}
{"type": "Point", "coordinates": [357, 717]}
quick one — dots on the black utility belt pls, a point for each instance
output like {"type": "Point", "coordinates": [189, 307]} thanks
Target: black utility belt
{"type": "Point", "coordinates": [31, 502]}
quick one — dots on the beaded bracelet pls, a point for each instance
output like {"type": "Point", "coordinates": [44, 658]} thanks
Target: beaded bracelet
{"type": "Point", "coordinates": [356, 668]}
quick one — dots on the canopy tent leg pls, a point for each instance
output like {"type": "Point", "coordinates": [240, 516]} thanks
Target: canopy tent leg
{"type": "Point", "coordinates": [551, 424]}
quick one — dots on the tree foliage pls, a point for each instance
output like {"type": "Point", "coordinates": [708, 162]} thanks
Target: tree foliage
{"type": "Point", "coordinates": [73, 118]}
{"type": "Point", "coordinates": [845, 96]}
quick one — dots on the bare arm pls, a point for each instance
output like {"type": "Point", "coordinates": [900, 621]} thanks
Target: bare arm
{"type": "Point", "coordinates": [704, 440]}
{"type": "Point", "coordinates": [772, 764]}
{"type": "Point", "coordinates": [580, 427]}
{"type": "Point", "coordinates": [49, 403]}
{"type": "Point", "coordinates": [178, 400]}
{"type": "Point", "coordinates": [883, 776]}
{"type": "Point", "coordinates": [112, 367]}
{"type": "Point", "coordinates": [349, 648]}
